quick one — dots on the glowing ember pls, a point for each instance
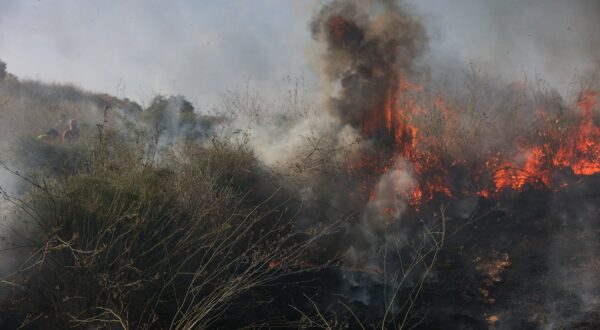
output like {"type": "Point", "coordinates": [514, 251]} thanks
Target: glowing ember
{"type": "Point", "coordinates": [492, 320]}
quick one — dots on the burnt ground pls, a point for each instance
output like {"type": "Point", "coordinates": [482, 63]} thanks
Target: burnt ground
{"type": "Point", "coordinates": [532, 263]}
{"type": "Point", "coordinates": [529, 261]}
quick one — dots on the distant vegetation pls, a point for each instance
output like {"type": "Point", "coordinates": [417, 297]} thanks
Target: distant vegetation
{"type": "Point", "coordinates": [2, 70]}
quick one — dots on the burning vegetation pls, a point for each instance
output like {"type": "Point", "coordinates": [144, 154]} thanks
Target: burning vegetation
{"type": "Point", "coordinates": [414, 123]}
{"type": "Point", "coordinates": [404, 204]}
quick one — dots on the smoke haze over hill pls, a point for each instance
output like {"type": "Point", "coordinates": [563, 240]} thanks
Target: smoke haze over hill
{"type": "Point", "coordinates": [141, 48]}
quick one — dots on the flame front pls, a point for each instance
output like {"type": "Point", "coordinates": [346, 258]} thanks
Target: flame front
{"type": "Point", "coordinates": [461, 147]}
{"type": "Point", "coordinates": [534, 163]}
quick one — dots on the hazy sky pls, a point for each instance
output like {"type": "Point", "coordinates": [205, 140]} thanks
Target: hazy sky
{"type": "Point", "coordinates": [137, 48]}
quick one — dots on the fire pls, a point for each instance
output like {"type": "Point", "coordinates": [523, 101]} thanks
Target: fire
{"type": "Point", "coordinates": [492, 320]}
{"type": "Point", "coordinates": [533, 172]}
{"type": "Point", "coordinates": [587, 145]}
{"type": "Point", "coordinates": [393, 122]}
{"type": "Point", "coordinates": [578, 151]}
{"type": "Point", "coordinates": [445, 143]}
{"type": "Point", "coordinates": [533, 164]}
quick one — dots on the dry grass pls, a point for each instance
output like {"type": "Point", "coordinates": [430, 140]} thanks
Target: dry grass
{"type": "Point", "coordinates": [174, 242]}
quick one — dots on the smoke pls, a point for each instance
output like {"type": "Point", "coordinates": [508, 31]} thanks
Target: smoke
{"type": "Point", "coordinates": [365, 47]}
{"type": "Point", "coordinates": [383, 211]}
{"type": "Point", "coordinates": [11, 244]}
{"type": "Point", "coordinates": [572, 277]}
{"type": "Point", "coordinates": [367, 54]}
{"type": "Point", "coordinates": [184, 47]}
{"type": "Point", "coordinates": [363, 51]}
{"type": "Point", "coordinates": [552, 40]}
{"type": "Point", "coordinates": [385, 206]}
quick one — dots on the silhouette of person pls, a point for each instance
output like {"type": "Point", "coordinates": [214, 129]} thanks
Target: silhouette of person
{"type": "Point", "coordinates": [62, 124]}
{"type": "Point", "coordinates": [71, 133]}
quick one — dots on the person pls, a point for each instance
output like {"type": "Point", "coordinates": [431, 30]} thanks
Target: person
{"type": "Point", "coordinates": [62, 123]}
{"type": "Point", "coordinates": [71, 133]}
{"type": "Point", "coordinates": [50, 136]}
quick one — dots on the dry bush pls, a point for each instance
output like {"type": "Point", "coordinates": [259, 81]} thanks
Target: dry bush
{"type": "Point", "coordinates": [172, 243]}
{"type": "Point", "coordinates": [406, 267]}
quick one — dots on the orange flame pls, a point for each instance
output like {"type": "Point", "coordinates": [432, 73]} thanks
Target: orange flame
{"type": "Point", "coordinates": [533, 164]}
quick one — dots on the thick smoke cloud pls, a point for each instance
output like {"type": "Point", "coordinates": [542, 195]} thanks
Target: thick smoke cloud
{"type": "Point", "coordinates": [367, 45]}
